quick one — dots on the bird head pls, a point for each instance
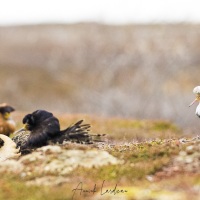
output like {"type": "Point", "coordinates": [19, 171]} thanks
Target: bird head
{"type": "Point", "coordinates": [5, 110]}
{"type": "Point", "coordinates": [29, 123]}
{"type": "Point", "coordinates": [34, 120]}
{"type": "Point", "coordinates": [196, 91]}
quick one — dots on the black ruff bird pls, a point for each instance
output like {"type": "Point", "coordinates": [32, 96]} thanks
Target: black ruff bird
{"type": "Point", "coordinates": [7, 125]}
{"type": "Point", "coordinates": [44, 129]}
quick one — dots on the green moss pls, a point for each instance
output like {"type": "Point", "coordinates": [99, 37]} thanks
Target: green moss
{"type": "Point", "coordinates": [135, 124]}
{"type": "Point", "coordinates": [163, 126]}
{"type": "Point", "coordinates": [12, 188]}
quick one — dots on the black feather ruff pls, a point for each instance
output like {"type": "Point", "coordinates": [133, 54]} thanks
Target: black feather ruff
{"type": "Point", "coordinates": [44, 128]}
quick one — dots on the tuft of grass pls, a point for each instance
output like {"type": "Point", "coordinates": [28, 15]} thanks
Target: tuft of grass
{"type": "Point", "coordinates": [14, 188]}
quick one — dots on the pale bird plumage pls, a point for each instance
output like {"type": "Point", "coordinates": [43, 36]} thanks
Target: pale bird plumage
{"type": "Point", "coordinates": [196, 91]}
{"type": "Point", "coordinates": [9, 149]}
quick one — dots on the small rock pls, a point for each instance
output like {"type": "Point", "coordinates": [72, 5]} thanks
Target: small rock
{"type": "Point", "coordinates": [190, 149]}
{"type": "Point", "coordinates": [50, 149]}
{"type": "Point", "coordinates": [11, 166]}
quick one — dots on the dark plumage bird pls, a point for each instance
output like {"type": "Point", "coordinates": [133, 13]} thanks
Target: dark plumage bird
{"type": "Point", "coordinates": [44, 128]}
{"type": "Point", "coordinates": [7, 125]}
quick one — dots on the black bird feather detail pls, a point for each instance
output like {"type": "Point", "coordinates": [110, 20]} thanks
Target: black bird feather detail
{"type": "Point", "coordinates": [43, 128]}
{"type": "Point", "coordinates": [1, 142]}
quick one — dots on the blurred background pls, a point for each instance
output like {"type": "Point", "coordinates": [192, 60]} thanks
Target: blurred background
{"type": "Point", "coordinates": [135, 59]}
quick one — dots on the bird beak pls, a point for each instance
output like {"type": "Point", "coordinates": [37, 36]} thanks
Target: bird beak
{"type": "Point", "coordinates": [7, 115]}
{"type": "Point", "coordinates": [193, 102]}
{"type": "Point", "coordinates": [24, 128]}
{"type": "Point", "coordinates": [20, 130]}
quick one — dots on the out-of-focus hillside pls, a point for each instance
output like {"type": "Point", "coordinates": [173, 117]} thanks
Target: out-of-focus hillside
{"type": "Point", "coordinates": [137, 71]}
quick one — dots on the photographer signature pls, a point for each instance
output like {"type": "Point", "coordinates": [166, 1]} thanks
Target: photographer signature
{"type": "Point", "coordinates": [80, 190]}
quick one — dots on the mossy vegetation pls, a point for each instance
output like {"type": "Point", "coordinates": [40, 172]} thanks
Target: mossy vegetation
{"type": "Point", "coordinates": [164, 125]}
{"type": "Point", "coordinates": [13, 188]}
{"type": "Point", "coordinates": [143, 147]}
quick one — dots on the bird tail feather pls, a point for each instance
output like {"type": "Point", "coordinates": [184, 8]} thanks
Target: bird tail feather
{"type": "Point", "coordinates": [79, 133]}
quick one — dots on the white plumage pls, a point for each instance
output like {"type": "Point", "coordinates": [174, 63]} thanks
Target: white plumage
{"type": "Point", "coordinates": [196, 91]}
{"type": "Point", "coordinates": [8, 150]}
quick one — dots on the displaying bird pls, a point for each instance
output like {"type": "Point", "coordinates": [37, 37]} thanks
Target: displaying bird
{"type": "Point", "coordinates": [8, 148]}
{"type": "Point", "coordinates": [42, 128]}
{"type": "Point", "coordinates": [196, 91]}
{"type": "Point", "coordinates": [7, 125]}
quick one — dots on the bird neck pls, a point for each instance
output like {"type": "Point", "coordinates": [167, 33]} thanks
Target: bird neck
{"type": "Point", "coordinates": [198, 110]}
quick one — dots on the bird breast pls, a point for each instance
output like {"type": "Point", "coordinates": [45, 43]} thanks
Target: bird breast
{"type": "Point", "coordinates": [198, 110]}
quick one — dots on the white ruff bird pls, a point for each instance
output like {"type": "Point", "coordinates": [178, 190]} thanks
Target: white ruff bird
{"type": "Point", "coordinates": [8, 148]}
{"type": "Point", "coordinates": [196, 91]}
